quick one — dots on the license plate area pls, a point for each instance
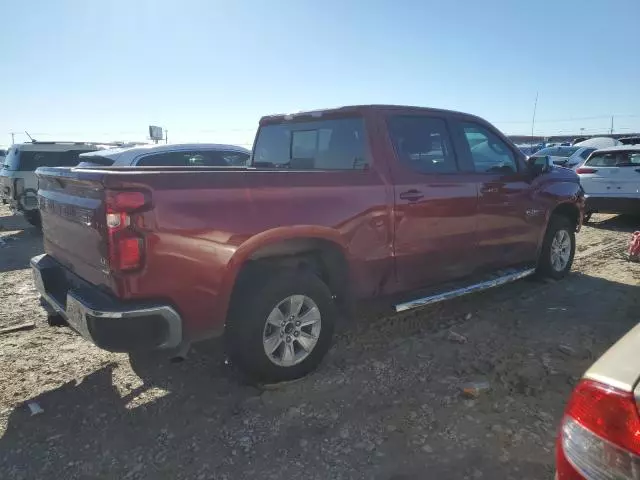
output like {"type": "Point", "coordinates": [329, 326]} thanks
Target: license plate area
{"type": "Point", "coordinates": [75, 314]}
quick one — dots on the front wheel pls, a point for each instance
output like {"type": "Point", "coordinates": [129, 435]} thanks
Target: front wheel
{"type": "Point", "coordinates": [558, 248]}
{"type": "Point", "coordinates": [281, 325]}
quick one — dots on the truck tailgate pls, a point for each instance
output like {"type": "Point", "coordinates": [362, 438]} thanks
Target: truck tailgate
{"type": "Point", "coordinates": [73, 221]}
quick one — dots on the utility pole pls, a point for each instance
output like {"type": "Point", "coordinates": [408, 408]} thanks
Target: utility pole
{"type": "Point", "coordinates": [13, 136]}
{"type": "Point", "coordinates": [533, 121]}
{"type": "Point", "coordinates": [611, 132]}
{"type": "Point", "coordinates": [166, 136]}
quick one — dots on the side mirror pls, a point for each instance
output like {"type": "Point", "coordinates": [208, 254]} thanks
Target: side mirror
{"type": "Point", "coordinates": [540, 165]}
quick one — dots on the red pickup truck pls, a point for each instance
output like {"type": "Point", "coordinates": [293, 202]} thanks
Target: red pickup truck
{"type": "Point", "coordinates": [337, 205]}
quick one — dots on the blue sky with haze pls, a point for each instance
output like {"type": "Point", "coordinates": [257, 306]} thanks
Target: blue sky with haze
{"type": "Point", "coordinates": [207, 70]}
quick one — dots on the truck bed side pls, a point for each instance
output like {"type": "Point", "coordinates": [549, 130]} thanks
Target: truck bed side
{"type": "Point", "coordinates": [204, 224]}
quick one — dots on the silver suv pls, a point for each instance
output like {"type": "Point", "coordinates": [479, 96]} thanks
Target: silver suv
{"type": "Point", "coordinates": [18, 182]}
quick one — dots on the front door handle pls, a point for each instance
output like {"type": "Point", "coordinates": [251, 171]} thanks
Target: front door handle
{"type": "Point", "coordinates": [490, 190]}
{"type": "Point", "coordinates": [412, 195]}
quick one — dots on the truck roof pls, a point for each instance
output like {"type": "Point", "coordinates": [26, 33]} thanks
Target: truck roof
{"type": "Point", "coordinates": [357, 110]}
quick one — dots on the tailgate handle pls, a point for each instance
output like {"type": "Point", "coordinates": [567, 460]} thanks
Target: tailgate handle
{"type": "Point", "coordinates": [412, 195]}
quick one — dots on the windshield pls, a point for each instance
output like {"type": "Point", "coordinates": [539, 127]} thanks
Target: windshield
{"type": "Point", "coordinates": [557, 151]}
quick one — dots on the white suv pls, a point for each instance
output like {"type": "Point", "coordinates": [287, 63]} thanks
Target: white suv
{"type": "Point", "coordinates": [611, 180]}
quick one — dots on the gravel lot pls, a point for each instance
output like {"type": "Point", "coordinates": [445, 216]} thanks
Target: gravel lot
{"type": "Point", "coordinates": [386, 404]}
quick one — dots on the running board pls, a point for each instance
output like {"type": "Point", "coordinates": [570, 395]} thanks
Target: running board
{"type": "Point", "coordinates": [458, 292]}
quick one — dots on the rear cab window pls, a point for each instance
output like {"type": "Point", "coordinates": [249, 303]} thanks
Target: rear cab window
{"type": "Point", "coordinates": [332, 144]}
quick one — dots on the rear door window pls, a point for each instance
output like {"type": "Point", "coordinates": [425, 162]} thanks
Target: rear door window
{"type": "Point", "coordinates": [197, 158]}
{"type": "Point", "coordinates": [422, 143]}
{"type": "Point", "coordinates": [614, 159]}
{"type": "Point", "coordinates": [316, 145]}
{"type": "Point", "coordinates": [236, 159]}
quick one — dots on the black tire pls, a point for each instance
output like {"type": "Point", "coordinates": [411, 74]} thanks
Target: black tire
{"type": "Point", "coordinates": [55, 320]}
{"type": "Point", "coordinates": [33, 217]}
{"type": "Point", "coordinates": [252, 306]}
{"type": "Point", "coordinates": [545, 267]}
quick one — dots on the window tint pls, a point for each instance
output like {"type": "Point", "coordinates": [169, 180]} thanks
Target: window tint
{"type": "Point", "coordinates": [489, 153]}
{"type": "Point", "coordinates": [319, 145]}
{"type": "Point", "coordinates": [236, 159]}
{"type": "Point", "coordinates": [614, 159]}
{"type": "Point", "coordinates": [201, 158]}
{"type": "Point", "coordinates": [422, 143]}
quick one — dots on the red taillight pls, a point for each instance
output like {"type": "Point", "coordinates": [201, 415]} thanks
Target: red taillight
{"type": "Point", "coordinates": [608, 412]}
{"type": "Point", "coordinates": [586, 170]}
{"type": "Point", "coordinates": [600, 434]}
{"type": "Point", "coordinates": [126, 245]}
{"type": "Point", "coordinates": [126, 253]}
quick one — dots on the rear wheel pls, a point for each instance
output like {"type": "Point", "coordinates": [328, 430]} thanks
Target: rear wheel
{"type": "Point", "coordinates": [558, 248]}
{"type": "Point", "coordinates": [281, 325]}
{"type": "Point", "coordinates": [33, 217]}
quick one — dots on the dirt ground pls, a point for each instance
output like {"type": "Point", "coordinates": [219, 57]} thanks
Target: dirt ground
{"type": "Point", "coordinates": [386, 403]}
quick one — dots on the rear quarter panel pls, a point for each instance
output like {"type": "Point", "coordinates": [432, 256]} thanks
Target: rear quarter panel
{"type": "Point", "coordinates": [204, 226]}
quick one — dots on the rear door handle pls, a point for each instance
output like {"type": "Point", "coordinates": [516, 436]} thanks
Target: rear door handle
{"type": "Point", "coordinates": [412, 195]}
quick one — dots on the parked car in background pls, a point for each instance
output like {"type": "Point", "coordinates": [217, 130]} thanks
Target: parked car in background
{"type": "Point", "coordinates": [337, 206]}
{"type": "Point", "coordinates": [566, 156]}
{"type": "Point", "coordinates": [611, 181]}
{"type": "Point", "coordinates": [629, 140]}
{"type": "Point", "coordinates": [18, 182]}
{"type": "Point", "coordinates": [598, 435]}
{"type": "Point", "coordinates": [599, 142]}
{"type": "Point", "coordinates": [172, 155]}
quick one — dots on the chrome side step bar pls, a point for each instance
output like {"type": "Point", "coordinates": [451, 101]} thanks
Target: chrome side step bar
{"type": "Point", "coordinates": [477, 287]}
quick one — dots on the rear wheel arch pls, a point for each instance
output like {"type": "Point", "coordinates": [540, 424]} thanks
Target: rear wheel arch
{"type": "Point", "coordinates": [325, 258]}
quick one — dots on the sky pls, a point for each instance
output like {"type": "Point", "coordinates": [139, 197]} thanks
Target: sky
{"type": "Point", "coordinates": [208, 70]}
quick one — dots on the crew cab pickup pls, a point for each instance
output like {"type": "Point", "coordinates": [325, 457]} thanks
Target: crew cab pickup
{"type": "Point", "coordinates": [409, 204]}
